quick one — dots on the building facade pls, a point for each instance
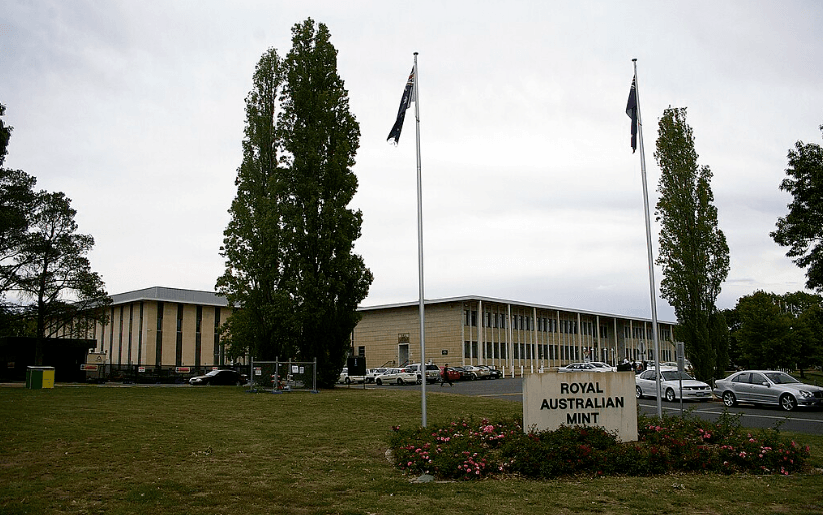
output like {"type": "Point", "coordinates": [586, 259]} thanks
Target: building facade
{"type": "Point", "coordinates": [162, 329]}
{"type": "Point", "coordinates": [507, 334]}
{"type": "Point", "coordinates": [177, 331]}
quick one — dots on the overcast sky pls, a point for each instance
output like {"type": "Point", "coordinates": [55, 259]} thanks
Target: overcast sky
{"type": "Point", "coordinates": [135, 110]}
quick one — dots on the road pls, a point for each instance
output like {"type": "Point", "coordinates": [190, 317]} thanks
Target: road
{"type": "Point", "coordinates": [809, 421]}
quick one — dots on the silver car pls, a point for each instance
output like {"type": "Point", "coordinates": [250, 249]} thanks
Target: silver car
{"type": "Point", "coordinates": [767, 387]}
{"type": "Point", "coordinates": [670, 384]}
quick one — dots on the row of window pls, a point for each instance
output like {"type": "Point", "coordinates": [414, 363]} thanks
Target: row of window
{"type": "Point", "coordinates": [498, 350]}
{"type": "Point", "coordinates": [552, 325]}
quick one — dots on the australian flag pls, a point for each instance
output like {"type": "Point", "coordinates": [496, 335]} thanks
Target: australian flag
{"type": "Point", "coordinates": [631, 110]}
{"type": "Point", "coordinates": [405, 101]}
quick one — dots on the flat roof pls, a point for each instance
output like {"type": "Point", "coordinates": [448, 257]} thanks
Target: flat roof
{"type": "Point", "coordinates": [473, 298]}
{"type": "Point", "coordinates": [162, 293]}
{"type": "Point", "coordinates": [207, 298]}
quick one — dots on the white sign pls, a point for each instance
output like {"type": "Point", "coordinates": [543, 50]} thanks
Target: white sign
{"type": "Point", "coordinates": [97, 358]}
{"type": "Point", "coordinates": [604, 399]}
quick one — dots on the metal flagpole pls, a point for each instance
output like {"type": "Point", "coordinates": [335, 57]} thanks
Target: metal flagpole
{"type": "Point", "coordinates": [652, 288]}
{"type": "Point", "coordinates": [420, 242]}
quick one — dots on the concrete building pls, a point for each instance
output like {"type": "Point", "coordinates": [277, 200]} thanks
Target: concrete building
{"type": "Point", "coordinates": [507, 334]}
{"type": "Point", "coordinates": [164, 330]}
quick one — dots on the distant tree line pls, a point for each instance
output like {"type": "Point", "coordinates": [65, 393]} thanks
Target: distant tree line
{"type": "Point", "coordinates": [769, 331]}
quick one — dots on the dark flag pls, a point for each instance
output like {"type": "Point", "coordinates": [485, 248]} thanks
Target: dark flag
{"type": "Point", "coordinates": [631, 110]}
{"type": "Point", "coordinates": [405, 101]}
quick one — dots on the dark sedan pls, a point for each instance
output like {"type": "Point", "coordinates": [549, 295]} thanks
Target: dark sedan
{"type": "Point", "coordinates": [219, 377]}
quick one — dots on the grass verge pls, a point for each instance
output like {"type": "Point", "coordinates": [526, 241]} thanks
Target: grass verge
{"type": "Point", "coordinates": [88, 449]}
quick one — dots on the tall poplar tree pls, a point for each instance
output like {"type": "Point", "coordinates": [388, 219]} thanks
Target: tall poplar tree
{"type": "Point", "coordinates": [253, 245]}
{"type": "Point", "coordinates": [693, 251]}
{"type": "Point", "coordinates": [319, 138]}
{"type": "Point", "coordinates": [289, 246]}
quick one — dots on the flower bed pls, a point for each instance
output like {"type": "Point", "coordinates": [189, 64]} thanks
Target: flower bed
{"type": "Point", "coordinates": [467, 449]}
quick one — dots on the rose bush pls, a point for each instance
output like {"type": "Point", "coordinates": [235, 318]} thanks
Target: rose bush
{"type": "Point", "coordinates": [467, 449]}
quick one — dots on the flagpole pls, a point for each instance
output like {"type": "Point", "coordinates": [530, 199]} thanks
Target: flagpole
{"type": "Point", "coordinates": [652, 288]}
{"type": "Point", "coordinates": [420, 243]}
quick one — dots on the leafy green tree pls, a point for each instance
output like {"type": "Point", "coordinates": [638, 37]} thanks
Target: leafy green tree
{"type": "Point", "coordinates": [806, 328]}
{"type": "Point", "coordinates": [693, 252]}
{"type": "Point", "coordinates": [764, 335]}
{"type": "Point", "coordinates": [55, 274]}
{"type": "Point", "coordinates": [802, 228]}
{"type": "Point", "coordinates": [5, 135]}
{"type": "Point", "coordinates": [720, 341]}
{"type": "Point", "coordinates": [733, 324]}
{"type": "Point", "coordinates": [253, 241]}
{"type": "Point", "coordinates": [16, 203]}
{"type": "Point", "coordinates": [289, 247]}
{"type": "Point", "coordinates": [319, 137]}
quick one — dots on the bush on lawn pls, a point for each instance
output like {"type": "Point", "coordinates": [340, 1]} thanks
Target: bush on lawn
{"type": "Point", "coordinates": [467, 449]}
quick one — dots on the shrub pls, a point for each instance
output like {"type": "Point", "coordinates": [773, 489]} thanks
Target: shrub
{"type": "Point", "coordinates": [466, 449]}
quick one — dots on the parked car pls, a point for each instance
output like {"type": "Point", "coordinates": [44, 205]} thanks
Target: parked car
{"type": "Point", "coordinates": [219, 377]}
{"type": "Point", "coordinates": [432, 372]}
{"type": "Point", "coordinates": [396, 376]}
{"type": "Point", "coordinates": [493, 372]}
{"type": "Point", "coordinates": [472, 372]}
{"type": "Point", "coordinates": [670, 382]}
{"type": "Point", "coordinates": [582, 367]}
{"type": "Point", "coordinates": [372, 374]}
{"type": "Point", "coordinates": [767, 387]}
{"type": "Point", "coordinates": [345, 378]}
{"type": "Point", "coordinates": [604, 366]}
{"type": "Point", "coordinates": [452, 374]}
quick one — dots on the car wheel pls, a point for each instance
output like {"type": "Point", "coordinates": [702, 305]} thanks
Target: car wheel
{"type": "Point", "coordinates": [400, 381]}
{"type": "Point", "coordinates": [670, 395]}
{"type": "Point", "coordinates": [788, 402]}
{"type": "Point", "coordinates": [729, 399]}
{"type": "Point", "coordinates": [379, 382]}
{"type": "Point", "coordinates": [638, 392]}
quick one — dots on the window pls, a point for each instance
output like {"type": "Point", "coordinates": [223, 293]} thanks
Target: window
{"type": "Point", "coordinates": [361, 350]}
{"type": "Point", "coordinates": [471, 318]}
{"type": "Point", "coordinates": [757, 379]}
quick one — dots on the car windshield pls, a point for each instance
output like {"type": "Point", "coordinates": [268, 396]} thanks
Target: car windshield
{"type": "Point", "coordinates": [781, 378]}
{"type": "Point", "coordinates": [674, 375]}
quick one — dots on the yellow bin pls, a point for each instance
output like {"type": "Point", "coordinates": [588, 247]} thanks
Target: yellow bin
{"type": "Point", "coordinates": [39, 377]}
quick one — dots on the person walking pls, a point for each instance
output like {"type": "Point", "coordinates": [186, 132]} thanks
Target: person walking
{"type": "Point", "coordinates": [445, 376]}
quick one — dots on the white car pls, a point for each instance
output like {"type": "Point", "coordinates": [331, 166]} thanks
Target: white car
{"type": "Point", "coordinates": [372, 374]}
{"type": "Point", "coordinates": [345, 378]}
{"type": "Point", "coordinates": [432, 372]}
{"type": "Point", "coordinates": [396, 376]}
{"type": "Point", "coordinates": [604, 367]}
{"type": "Point", "coordinates": [583, 367]}
{"type": "Point", "coordinates": [670, 382]}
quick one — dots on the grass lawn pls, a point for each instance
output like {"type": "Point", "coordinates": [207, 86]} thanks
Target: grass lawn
{"type": "Point", "coordinates": [209, 450]}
